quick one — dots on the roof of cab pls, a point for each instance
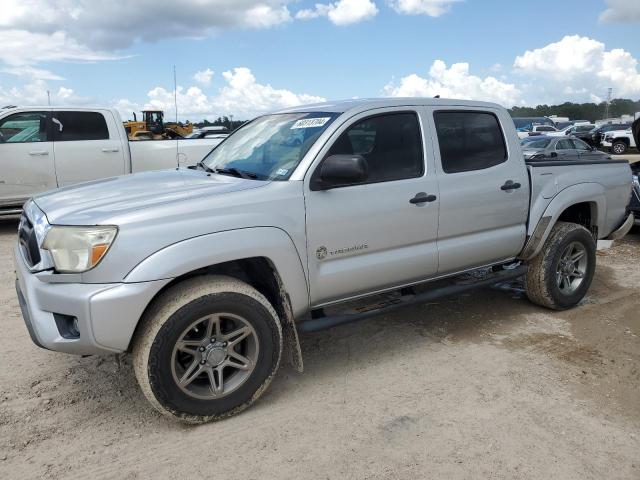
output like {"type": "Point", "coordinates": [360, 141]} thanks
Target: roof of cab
{"type": "Point", "coordinates": [363, 104]}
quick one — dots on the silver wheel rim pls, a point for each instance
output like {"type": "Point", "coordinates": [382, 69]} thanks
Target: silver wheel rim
{"type": "Point", "coordinates": [618, 148]}
{"type": "Point", "coordinates": [571, 268]}
{"type": "Point", "coordinates": [214, 356]}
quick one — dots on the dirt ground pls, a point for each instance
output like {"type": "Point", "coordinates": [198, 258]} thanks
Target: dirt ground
{"type": "Point", "coordinates": [484, 385]}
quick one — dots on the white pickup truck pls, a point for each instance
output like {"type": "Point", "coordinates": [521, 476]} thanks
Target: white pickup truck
{"type": "Point", "coordinates": [42, 148]}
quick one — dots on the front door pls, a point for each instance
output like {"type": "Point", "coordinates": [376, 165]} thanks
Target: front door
{"type": "Point", "coordinates": [566, 150]}
{"type": "Point", "coordinates": [86, 147]}
{"type": "Point", "coordinates": [484, 189]}
{"type": "Point", "coordinates": [370, 236]}
{"type": "Point", "coordinates": [26, 157]}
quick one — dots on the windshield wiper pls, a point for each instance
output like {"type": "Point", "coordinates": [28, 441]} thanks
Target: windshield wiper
{"type": "Point", "coordinates": [235, 172]}
{"type": "Point", "coordinates": [204, 167]}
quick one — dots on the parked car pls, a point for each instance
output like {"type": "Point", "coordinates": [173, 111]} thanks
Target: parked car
{"type": "Point", "coordinates": [525, 125]}
{"type": "Point", "coordinates": [209, 132]}
{"type": "Point", "coordinates": [560, 148]}
{"type": "Point", "coordinates": [301, 220]}
{"type": "Point", "coordinates": [597, 133]}
{"type": "Point", "coordinates": [576, 130]}
{"type": "Point", "coordinates": [47, 147]}
{"type": "Point", "coordinates": [634, 206]}
{"type": "Point", "coordinates": [618, 142]}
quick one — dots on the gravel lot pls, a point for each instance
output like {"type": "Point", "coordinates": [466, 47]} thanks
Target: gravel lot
{"type": "Point", "coordinates": [484, 385]}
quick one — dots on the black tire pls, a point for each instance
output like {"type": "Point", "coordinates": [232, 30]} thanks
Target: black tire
{"type": "Point", "coordinates": [619, 147]}
{"type": "Point", "coordinates": [541, 280]}
{"type": "Point", "coordinates": [163, 325]}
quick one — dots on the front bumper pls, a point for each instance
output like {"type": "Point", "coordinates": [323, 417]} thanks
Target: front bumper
{"type": "Point", "coordinates": [606, 144]}
{"type": "Point", "coordinates": [107, 314]}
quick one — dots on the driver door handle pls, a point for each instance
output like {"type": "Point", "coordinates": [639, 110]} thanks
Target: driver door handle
{"type": "Point", "coordinates": [111, 150]}
{"type": "Point", "coordinates": [422, 197]}
{"type": "Point", "coordinates": [510, 185]}
{"type": "Point", "coordinates": [38, 153]}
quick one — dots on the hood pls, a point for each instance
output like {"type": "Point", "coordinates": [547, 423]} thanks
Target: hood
{"type": "Point", "coordinates": [635, 128]}
{"type": "Point", "coordinates": [87, 203]}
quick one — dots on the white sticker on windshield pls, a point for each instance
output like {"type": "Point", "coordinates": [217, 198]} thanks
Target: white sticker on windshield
{"type": "Point", "coordinates": [281, 172]}
{"type": "Point", "coordinates": [310, 122]}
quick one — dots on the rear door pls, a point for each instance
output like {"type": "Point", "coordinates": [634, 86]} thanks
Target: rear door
{"type": "Point", "coordinates": [370, 236]}
{"type": "Point", "coordinates": [484, 188]}
{"type": "Point", "coordinates": [87, 146]}
{"type": "Point", "coordinates": [26, 156]}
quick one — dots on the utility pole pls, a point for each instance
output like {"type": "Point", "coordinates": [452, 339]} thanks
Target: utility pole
{"type": "Point", "coordinates": [49, 97]}
{"type": "Point", "coordinates": [608, 104]}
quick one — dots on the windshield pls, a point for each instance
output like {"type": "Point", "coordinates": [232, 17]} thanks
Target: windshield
{"type": "Point", "coordinates": [533, 142]}
{"type": "Point", "coordinates": [270, 147]}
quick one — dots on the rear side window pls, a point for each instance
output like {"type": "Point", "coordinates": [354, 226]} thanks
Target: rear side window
{"type": "Point", "coordinates": [74, 126]}
{"type": "Point", "coordinates": [469, 141]}
{"type": "Point", "coordinates": [391, 144]}
{"type": "Point", "coordinates": [24, 127]}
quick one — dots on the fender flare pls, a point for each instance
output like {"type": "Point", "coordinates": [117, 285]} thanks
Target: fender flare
{"type": "Point", "coordinates": [195, 253]}
{"type": "Point", "coordinates": [593, 193]}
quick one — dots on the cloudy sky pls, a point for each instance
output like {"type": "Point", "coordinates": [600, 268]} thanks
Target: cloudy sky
{"type": "Point", "coordinates": [245, 57]}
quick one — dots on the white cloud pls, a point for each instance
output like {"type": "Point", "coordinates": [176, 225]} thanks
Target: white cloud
{"type": "Point", "coordinates": [20, 47]}
{"type": "Point", "coordinates": [242, 97]}
{"type": "Point", "coordinates": [204, 77]}
{"type": "Point", "coordinates": [454, 82]}
{"type": "Point", "coordinates": [433, 8]}
{"type": "Point", "coordinates": [342, 12]}
{"type": "Point", "coordinates": [624, 11]}
{"type": "Point", "coordinates": [35, 93]}
{"type": "Point", "coordinates": [117, 24]}
{"type": "Point", "coordinates": [581, 64]}
{"type": "Point", "coordinates": [32, 72]}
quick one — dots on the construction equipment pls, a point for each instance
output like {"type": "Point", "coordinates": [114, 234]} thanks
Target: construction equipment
{"type": "Point", "coordinates": [152, 126]}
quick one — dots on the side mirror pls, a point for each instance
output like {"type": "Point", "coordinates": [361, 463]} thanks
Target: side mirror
{"type": "Point", "coordinates": [340, 170]}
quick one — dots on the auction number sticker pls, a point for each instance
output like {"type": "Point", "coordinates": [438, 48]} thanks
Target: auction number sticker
{"type": "Point", "coordinates": [310, 122]}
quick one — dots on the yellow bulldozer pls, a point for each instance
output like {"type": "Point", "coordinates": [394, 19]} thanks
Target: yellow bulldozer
{"type": "Point", "coordinates": [153, 127]}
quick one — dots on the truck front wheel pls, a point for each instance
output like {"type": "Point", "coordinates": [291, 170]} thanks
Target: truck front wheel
{"type": "Point", "coordinates": [619, 147]}
{"type": "Point", "coordinates": [207, 348]}
{"type": "Point", "coordinates": [559, 277]}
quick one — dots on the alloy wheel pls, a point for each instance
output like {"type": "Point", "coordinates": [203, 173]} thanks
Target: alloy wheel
{"type": "Point", "coordinates": [214, 356]}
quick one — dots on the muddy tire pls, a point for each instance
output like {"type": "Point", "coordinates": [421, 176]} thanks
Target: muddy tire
{"type": "Point", "coordinates": [207, 348]}
{"type": "Point", "coordinates": [560, 275]}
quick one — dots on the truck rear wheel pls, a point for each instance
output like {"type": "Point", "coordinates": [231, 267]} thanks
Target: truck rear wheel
{"type": "Point", "coordinates": [559, 277]}
{"type": "Point", "coordinates": [207, 348]}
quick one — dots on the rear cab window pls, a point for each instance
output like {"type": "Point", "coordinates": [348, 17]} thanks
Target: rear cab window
{"type": "Point", "coordinates": [79, 126]}
{"type": "Point", "coordinates": [469, 140]}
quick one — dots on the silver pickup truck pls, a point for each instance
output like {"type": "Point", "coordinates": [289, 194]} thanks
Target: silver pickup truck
{"type": "Point", "coordinates": [302, 220]}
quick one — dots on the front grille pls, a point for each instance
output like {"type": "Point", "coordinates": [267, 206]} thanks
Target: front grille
{"type": "Point", "coordinates": [28, 241]}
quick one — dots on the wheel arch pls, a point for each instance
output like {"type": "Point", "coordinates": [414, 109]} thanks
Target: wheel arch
{"type": "Point", "coordinates": [263, 257]}
{"type": "Point", "coordinates": [584, 204]}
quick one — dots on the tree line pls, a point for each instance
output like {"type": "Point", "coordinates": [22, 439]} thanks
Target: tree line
{"type": "Point", "coordinates": [580, 111]}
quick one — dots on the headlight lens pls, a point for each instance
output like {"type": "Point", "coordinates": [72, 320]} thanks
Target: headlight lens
{"type": "Point", "coordinates": [78, 249]}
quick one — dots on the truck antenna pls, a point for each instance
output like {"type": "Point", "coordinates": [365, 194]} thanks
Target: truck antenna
{"type": "Point", "coordinates": [175, 102]}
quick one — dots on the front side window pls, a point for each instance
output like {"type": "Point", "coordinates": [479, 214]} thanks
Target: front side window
{"type": "Point", "coordinates": [391, 144]}
{"type": "Point", "coordinates": [24, 127]}
{"type": "Point", "coordinates": [469, 141]}
{"type": "Point", "coordinates": [75, 126]}
{"type": "Point", "coordinates": [269, 147]}
{"type": "Point", "coordinates": [580, 145]}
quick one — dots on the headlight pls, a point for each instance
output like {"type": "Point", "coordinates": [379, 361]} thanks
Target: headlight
{"type": "Point", "coordinates": [78, 249]}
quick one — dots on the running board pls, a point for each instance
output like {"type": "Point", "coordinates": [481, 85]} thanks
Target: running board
{"type": "Point", "coordinates": [320, 321]}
